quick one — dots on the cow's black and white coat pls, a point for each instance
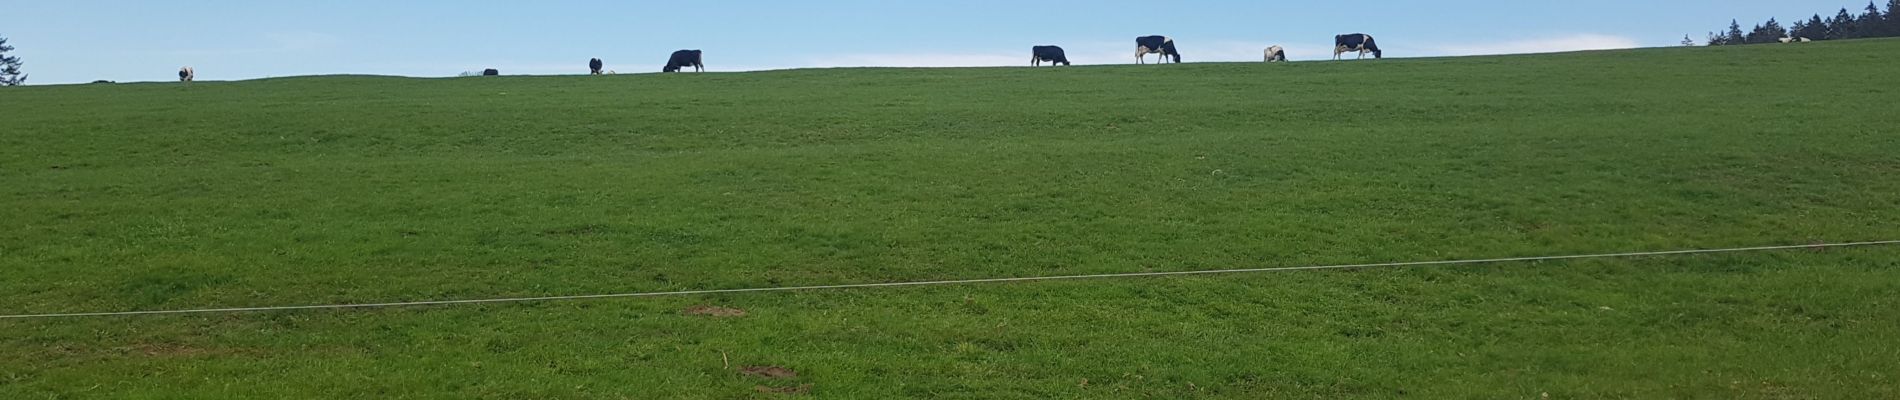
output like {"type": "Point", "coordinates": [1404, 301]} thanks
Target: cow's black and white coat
{"type": "Point", "coordinates": [594, 66]}
{"type": "Point", "coordinates": [1051, 54]}
{"type": "Point", "coordinates": [186, 74]}
{"type": "Point", "coordinates": [1162, 45]}
{"type": "Point", "coordinates": [685, 58]}
{"type": "Point", "coordinates": [1356, 42]}
{"type": "Point", "coordinates": [1276, 54]}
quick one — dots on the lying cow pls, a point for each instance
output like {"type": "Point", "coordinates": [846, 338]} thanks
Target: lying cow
{"type": "Point", "coordinates": [1162, 45]}
{"type": "Point", "coordinates": [1052, 54]}
{"type": "Point", "coordinates": [1356, 42]}
{"type": "Point", "coordinates": [491, 72]}
{"type": "Point", "coordinates": [685, 58]}
{"type": "Point", "coordinates": [1276, 54]}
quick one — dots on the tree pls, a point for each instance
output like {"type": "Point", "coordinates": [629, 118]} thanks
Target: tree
{"type": "Point", "coordinates": [1774, 30]}
{"type": "Point", "coordinates": [10, 74]}
{"type": "Point", "coordinates": [1871, 23]}
{"type": "Point", "coordinates": [1687, 42]}
{"type": "Point", "coordinates": [1734, 35]}
{"type": "Point", "coordinates": [1769, 32]}
{"type": "Point", "coordinates": [1843, 26]}
{"type": "Point", "coordinates": [1893, 22]}
{"type": "Point", "coordinates": [1816, 28]}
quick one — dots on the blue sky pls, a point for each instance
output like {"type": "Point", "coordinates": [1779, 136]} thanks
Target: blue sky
{"type": "Point", "coordinates": [74, 41]}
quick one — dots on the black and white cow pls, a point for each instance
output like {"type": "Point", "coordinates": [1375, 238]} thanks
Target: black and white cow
{"type": "Point", "coordinates": [1052, 54]}
{"type": "Point", "coordinates": [685, 58]}
{"type": "Point", "coordinates": [1358, 42]}
{"type": "Point", "coordinates": [187, 75]}
{"type": "Point", "coordinates": [1162, 45]}
{"type": "Point", "coordinates": [594, 66]}
{"type": "Point", "coordinates": [1276, 54]}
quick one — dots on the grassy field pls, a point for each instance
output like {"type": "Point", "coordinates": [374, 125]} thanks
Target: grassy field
{"type": "Point", "coordinates": [371, 189]}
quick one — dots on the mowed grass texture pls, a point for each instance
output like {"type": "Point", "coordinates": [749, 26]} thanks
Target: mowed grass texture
{"type": "Point", "coordinates": [370, 189]}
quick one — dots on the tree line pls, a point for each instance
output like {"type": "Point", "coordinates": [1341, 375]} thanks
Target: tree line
{"type": "Point", "coordinates": [10, 74]}
{"type": "Point", "coordinates": [1872, 23]}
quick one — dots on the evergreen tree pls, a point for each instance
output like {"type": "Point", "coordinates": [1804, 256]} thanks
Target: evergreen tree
{"type": "Point", "coordinates": [10, 74]}
{"type": "Point", "coordinates": [1871, 23]}
{"type": "Point", "coordinates": [1817, 28]}
{"type": "Point", "coordinates": [1687, 42]}
{"type": "Point", "coordinates": [1768, 32]}
{"type": "Point", "coordinates": [1842, 26]}
{"type": "Point", "coordinates": [1893, 22]}
{"type": "Point", "coordinates": [1734, 35]}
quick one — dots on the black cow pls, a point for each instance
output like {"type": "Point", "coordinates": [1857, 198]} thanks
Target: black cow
{"type": "Point", "coordinates": [1162, 45]}
{"type": "Point", "coordinates": [685, 58]}
{"type": "Point", "coordinates": [1358, 42]}
{"type": "Point", "coordinates": [595, 65]}
{"type": "Point", "coordinates": [1053, 54]}
{"type": "Point", "coordinates": [491, 72]}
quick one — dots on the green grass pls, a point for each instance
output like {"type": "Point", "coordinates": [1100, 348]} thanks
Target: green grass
{"type": "Point", "coordinates": [370, 189]}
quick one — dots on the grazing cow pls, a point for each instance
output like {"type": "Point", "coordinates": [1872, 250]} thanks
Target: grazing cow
{"type": "Point", "coordinates": [491, 72]}
{"type": "Point", "coordinates": [1162, 45]}
{"type": "Point", "coordinates": [186, 74]}
{"type": "Point", "coordinates": [1053, 54]}
{"type": "Point", "coordinates": [1276, 54]}
{"type": "Point", "coordinates": [1358, 42]}
{"type": "Point", "coordinates": [685, 58]}
{"type": "Point", "coordinates": [594, 66]}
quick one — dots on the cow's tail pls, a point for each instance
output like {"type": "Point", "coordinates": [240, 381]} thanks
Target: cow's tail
{"type": "Point", "coordinates": [1374, 46]}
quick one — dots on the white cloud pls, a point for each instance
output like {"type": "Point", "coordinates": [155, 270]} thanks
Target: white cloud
{"type": "Point", "coordinates": [1575, 42]}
